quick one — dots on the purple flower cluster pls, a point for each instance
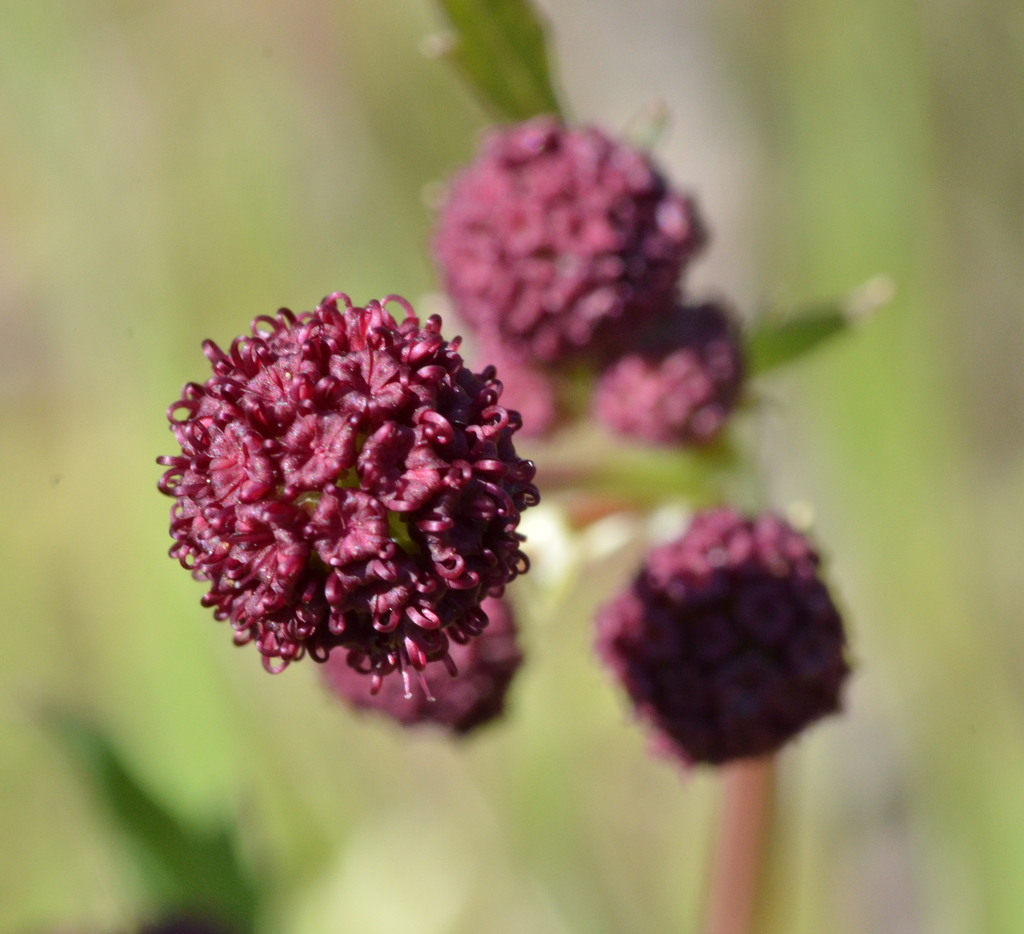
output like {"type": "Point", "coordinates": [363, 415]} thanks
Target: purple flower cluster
{"type": "Point", "coordinates": [486, 666]}
{"type": "Point", "coordinates": [727, 641]}
{"type": "Point", "coordinates": [344, 481]}
{"type": "Point", "coordinates": [556, 240]}
{"type": "Point", "coordinates": [560, 244]}
{"type": "Point", "coordinates": [681, 387]}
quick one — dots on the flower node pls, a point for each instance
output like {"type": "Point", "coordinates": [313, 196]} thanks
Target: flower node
{"type": "Point", "coordinates": [556, 240]}
{"type": "Point", "coordinates": [345, 482]}
{"type": "Point", "coordinates": [727, 642]}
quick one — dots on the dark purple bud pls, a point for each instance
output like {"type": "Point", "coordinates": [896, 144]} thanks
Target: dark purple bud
{"type": "Point", "coordinates": [556, 240]}
{"type": "Point", "coordinates": [681, 387]}
{"type": "Point", "coordinates": [727, 641]}
{"type": "Point", "coordinates": [346, 483]}
{"type": "Point", "coordinates": [474, 696]}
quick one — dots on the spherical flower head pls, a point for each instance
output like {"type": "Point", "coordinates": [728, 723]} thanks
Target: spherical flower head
{"type": "Point", "coordinates": [345, 482]}
{"type": "Point", "coordinates": [556, 240]}
{"type": "Point", "coordinates": [727, 642]}
{"type": "Point", "coordinates": [681, 388]}
{"type": "Point", "coordinates": [475, 696]}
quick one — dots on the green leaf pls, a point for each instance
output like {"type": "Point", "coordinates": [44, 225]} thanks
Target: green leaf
{"type": "Point", "coordinates": [184, 869]}
{"type": "Point", "coordinates": [776, 340]}
{"type": "Point", "coordinates": [500, 48]}
{"type": "Point", "coordinates": [773, 342]}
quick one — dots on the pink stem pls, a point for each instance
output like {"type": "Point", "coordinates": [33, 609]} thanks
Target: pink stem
{"type": "Point", "coordinates": [746, 813]}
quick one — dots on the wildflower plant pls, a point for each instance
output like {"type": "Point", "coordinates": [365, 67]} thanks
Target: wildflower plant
{"type": "Point", "coordinates": [350, 489]}
{"type": "Point", "coordinates": [564, 250]}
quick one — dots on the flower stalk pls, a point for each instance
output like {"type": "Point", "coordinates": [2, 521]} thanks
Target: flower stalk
{"type": "Point", "coordinates": [747, 795]}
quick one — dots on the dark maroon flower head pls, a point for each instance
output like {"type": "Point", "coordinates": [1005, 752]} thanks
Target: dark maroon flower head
{"type": "Point", "coordinates": [346, 482]}
{"type": "Point", "coordinates": [727, 641]}
{"type": "Point", "coordinates": [555, 240]}
{"type": "Point", "coordinates": [681, 386]}
{"type": "Point", "coordinates": [486, 666]}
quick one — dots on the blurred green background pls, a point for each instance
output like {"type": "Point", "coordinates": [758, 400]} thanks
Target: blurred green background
{"type": "Point", "coordinates": [169, 170]}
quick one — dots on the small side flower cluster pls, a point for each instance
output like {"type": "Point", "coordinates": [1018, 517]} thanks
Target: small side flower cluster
{"type": "Point", "coordinates": [727, 642]}
{"type": "Point", "coordinates": [486, 666]}
{"type": "Point", "coordinates": [345, 482]}
{"type": "Point", "coordinates": [678, 388]}
{"type": "Point", "coordinates": [561, 245]}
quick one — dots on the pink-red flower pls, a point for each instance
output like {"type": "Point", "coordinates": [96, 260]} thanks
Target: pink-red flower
{"type": "Point", "coordinates": [681, 386]}
{"type": "Point", "coordinates": [486, 666]}
{"type": "Point", "coordinates": [346, 483]}
{"type": "Point", "coordinates": [727, 641]}
{"type": "Point", "coordinates": [555, 241]}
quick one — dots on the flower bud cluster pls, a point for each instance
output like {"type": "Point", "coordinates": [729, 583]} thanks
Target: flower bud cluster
{"type": "Point", "coordinates": [560, 245]}
{"type": "Point", "coordinates": [486, 666]}
{"type": "Point", "coordinates": [345, 482]}
{"type": "Point", "coordinates": [554, 238]}
{"type": "Point", "coordinates": [678, 388]}
{"type": "Point", "coordinates": [727, 642]}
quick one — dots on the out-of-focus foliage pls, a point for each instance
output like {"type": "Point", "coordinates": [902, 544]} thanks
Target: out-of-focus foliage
{"type": "Point", "coordinates": [169, 170]}
{"type": "Point", "coordinates": [585, 460]}
{"type": "Point", "coordinates": [500, 48]}
{"type": "Point", "coordinates": [775, 339]}
{"type": "Point", "coordinates": [185, 871]}
{"type": "Point", "coordinates": [772, 343]}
